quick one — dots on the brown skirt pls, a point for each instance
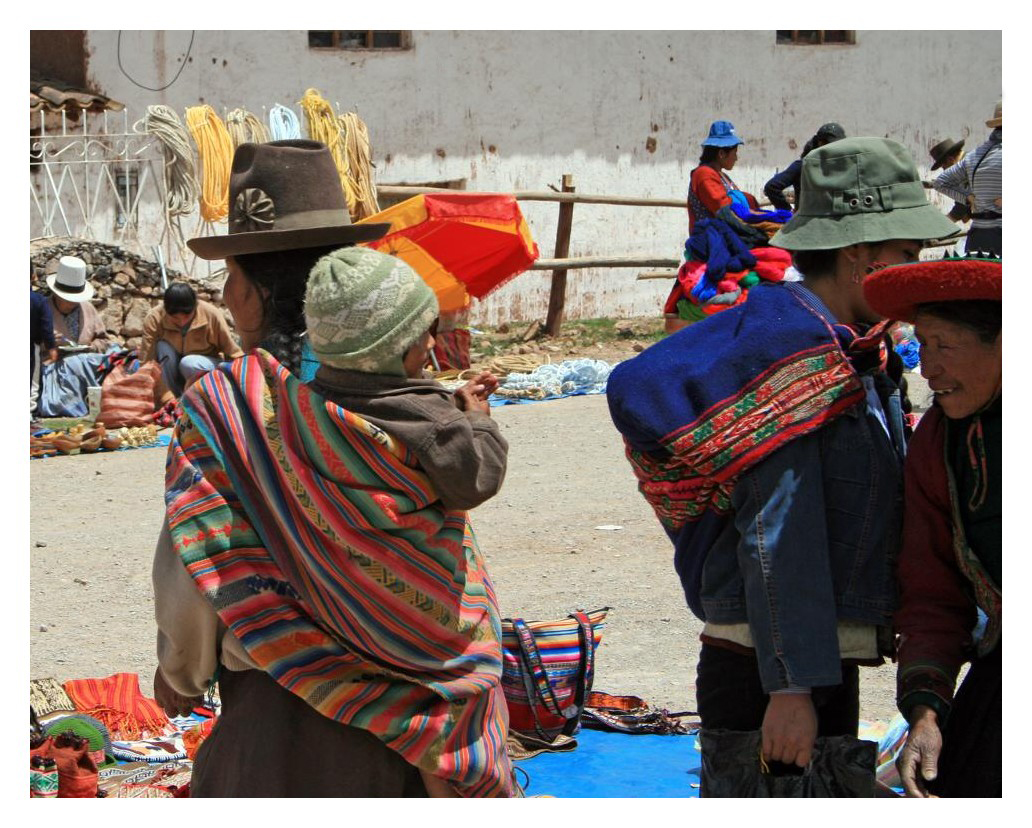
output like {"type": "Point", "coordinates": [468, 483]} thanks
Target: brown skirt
{"type": "Point", "coordinates": [269, 742]}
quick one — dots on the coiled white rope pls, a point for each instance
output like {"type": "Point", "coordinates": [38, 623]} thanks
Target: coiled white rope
{"type": "Point", "coordinates": [587, 376]}
{"type": "Point", "coordinates": [180, 178]}
{"type": "Point", "coordinates": [245, 128]}
{"type": "Point", "coordinates": [283, 123]}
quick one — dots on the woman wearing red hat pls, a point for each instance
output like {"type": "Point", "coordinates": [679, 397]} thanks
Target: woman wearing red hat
{"type": "Point", "coordinates": [950, 565]}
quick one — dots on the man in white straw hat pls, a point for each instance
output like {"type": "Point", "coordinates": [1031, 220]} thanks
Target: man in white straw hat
{"type": "Point", "coordinates": [76, 321]}
{"type": "Point", "coordinates": [977, 180]}
{"type": "Point", "coordinates": [81, 340]}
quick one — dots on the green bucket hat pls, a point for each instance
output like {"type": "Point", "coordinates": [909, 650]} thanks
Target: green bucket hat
{"type": "Point", "coordinates": [861, 190]}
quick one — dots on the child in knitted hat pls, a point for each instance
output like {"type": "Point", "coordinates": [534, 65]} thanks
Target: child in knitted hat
{"type": "Point", "coordinates": [370, 319]}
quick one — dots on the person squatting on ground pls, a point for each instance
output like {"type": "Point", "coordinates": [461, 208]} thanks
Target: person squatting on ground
{"type": "Point", "coordinates": [186, 336]}
{"type": "Point", "coordinates": [951, 560]}
{"type": "Point", "coordinates": [769, 439]}
{"type": "Point", "coordinates": [317, 558]}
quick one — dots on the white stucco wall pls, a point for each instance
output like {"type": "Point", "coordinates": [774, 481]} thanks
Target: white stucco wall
{"type": "Point", "coordinates": [516, 110]}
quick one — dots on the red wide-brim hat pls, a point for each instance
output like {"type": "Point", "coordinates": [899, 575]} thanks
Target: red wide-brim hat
{"type": "Point", "coordinates": [895, 292]}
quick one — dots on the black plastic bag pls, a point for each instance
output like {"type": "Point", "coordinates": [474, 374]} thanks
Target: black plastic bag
{"type": "Point", "coordinates": [840, 766]}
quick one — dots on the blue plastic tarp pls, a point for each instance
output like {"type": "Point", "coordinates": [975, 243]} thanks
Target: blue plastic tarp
{"type": "Point", "coordinates": [607, 764]}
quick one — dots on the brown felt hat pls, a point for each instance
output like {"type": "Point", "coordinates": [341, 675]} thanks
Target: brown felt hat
{"type": "Point", "coordinates": [944, 149]}
{"type": "Point", "coordinates": [284, 195]}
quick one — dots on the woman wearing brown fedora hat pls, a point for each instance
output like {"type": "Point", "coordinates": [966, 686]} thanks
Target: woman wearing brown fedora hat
{"type": "Point", "coordinates": [950, 565]}
{"type": "Point", "coordinates": [306, 566]}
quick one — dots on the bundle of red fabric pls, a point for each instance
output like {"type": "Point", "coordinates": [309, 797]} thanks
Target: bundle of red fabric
{"type": "Point", "coordinates": [771, 264]}
{"type": "Point", "coordinates": [117, 702]}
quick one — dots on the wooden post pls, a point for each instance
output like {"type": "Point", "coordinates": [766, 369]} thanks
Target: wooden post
{"type": "Point", "coordinates": [557, 296]}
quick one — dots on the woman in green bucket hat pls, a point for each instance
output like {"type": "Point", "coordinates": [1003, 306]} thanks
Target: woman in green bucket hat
{"type": "Point", "coordinates": [769, 440]}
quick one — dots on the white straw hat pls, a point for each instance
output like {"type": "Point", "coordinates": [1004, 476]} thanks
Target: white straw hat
{"type": "Point", "coordinates": [69, 282]}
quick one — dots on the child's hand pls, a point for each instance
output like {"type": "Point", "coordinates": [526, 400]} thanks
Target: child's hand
{"type": "Point", "coordinates": [489, 382]}
{"type": "Point", "coordinates": [473, 395]}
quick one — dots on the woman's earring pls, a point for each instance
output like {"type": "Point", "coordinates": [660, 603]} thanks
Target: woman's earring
{"type": "Point", "coordinates": [855, 276]}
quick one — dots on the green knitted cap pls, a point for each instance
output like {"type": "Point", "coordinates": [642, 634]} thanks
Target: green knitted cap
{"type": "Point", "coordinates": [365, 309]}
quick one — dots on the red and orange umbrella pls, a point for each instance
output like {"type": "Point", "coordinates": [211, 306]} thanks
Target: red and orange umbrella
{"type": "Point", "coordinates": [463, 244]}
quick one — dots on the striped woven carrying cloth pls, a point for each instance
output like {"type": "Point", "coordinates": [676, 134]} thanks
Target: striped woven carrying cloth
{"type": "Point", "coordinates": [703, 406]}
{"type": "Point", "coordinates": [325, 550]}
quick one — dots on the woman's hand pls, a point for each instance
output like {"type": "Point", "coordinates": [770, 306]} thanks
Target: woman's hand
{"type": "Point", "coordinates": [172, 702]}
{"type": "Point", "coordinates": [922, 749]}
{"type": "Point", "coordinates": [473, 395]}
{"type": "Point", "coordinates": [789, 728]}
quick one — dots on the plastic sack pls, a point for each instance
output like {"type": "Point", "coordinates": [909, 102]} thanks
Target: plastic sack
{"type": "Point", "coordinates": [840, 766]}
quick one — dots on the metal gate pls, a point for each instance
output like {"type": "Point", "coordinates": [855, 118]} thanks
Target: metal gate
{"type": "Point", "coordinates": [101, 179]}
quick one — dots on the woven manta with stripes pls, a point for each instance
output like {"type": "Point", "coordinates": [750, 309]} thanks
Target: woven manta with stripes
{"type": "Point", "coordinates": [325, 550]}
{"type": "Point", "coordinates": [703, 406]}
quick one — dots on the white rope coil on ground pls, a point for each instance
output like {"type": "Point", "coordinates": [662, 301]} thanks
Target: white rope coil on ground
{"type": "Point", "coordinates": [245, 128]}
{"type": "Point", "coordinates": [283, 123]}
{"type": "Point", "coordinates": [180, 178]}
{"type": "Point", "coordinates": [553, 380]}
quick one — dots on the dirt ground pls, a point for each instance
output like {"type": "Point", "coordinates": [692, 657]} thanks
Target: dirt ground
{"type": "Point", "coordinates": [568, 530]}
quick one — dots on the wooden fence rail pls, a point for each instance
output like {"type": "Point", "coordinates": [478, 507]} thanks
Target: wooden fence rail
{"type": "Point", "coordinates": [561, 261]}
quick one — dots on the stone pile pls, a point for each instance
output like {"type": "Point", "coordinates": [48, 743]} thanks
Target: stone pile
{"type": "Point", "coordinates": [126, 284]}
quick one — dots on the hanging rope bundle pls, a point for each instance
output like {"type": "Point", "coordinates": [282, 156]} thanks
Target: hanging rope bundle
{"type": "Point", "coordinates": [323, 126]}
{"type": "Point", "coordinates": [359, 165]}
{"type": "Point", "coordinates": [245, 128]}
{"type": "Point", "coordinates": [216, 153]}
{"type": "Point", "coordinates": [283, 123]}
{"type": "Point", "coordinates": [180, 180]}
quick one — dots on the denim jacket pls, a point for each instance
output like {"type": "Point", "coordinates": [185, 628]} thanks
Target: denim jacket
{"type": "Point", "coordinates": [812, 540]}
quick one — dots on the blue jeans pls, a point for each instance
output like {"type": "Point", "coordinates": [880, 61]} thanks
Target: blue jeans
{"type": "Point", "coordinates": [178, 370]}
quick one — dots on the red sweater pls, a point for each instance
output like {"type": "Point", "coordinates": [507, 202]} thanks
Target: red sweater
{"type": "Point", "coordinates": [710, 187]}
{"type": "Point", "coordinates": [937, 609]}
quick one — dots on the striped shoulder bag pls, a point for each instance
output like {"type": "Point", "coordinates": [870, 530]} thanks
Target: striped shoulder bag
{"type": "Point", "coordinates": [547, 671]}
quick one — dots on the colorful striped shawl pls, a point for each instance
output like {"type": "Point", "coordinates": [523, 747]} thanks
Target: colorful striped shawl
{"type": "Point", "coordinates": [702, 406]}
{"type": "Point", "coordinates": [324, 549]}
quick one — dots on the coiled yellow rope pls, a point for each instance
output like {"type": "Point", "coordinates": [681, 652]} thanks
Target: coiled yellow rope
{"type": "Point", "coordinates": [180, 181]}
{"type": "Point", "coordinates": [215, 150]}
{"type": "Point", "coordinates": [245, 128]}
{"type": "Point", "coordinates": [323, 126]}
{"type": "Point", "coordinates": [359, 166]}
